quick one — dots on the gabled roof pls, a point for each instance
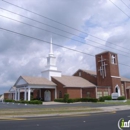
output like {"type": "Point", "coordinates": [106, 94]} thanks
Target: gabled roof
{"type": "Point", "coordinates": [90, 72]}
{"type": "Point", "coordinates": [94, 73]}
{"type": "Point", "coordinates": [36, 80]}
{"type": "Point", "coordinates": [74, 81]}
{"type": "Point", "coordinates": [125, 79]}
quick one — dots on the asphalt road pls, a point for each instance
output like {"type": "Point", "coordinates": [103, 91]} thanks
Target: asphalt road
{"type": "Point", "coordinates": [19, 106]}
{"type": "Point", "coordinates": [100, 121]}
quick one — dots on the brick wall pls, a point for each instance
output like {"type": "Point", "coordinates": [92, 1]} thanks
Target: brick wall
{"type": "Point", "coordinates": [90, 90]}
{"type": "Point", "coordinates": [89, 77]}
{"type": "Point", "coordinates": [60, 88]}
{"type": "Point", "coordinates": [74, 92]}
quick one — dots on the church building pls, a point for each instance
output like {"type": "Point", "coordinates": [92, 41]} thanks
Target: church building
{"type": "Point", "coordinates": [83, 83]}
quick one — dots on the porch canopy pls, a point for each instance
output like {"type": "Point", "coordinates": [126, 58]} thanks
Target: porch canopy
{"type": "Point", "coordinates": [27, 83]}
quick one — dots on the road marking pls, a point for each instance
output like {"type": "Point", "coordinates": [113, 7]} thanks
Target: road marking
{"type": "Point", "coordinates": [113, 112]}
{"type": "Point", "coordinates": [76, 115]}
{"type": "Point", "coordinates": [8, 119]}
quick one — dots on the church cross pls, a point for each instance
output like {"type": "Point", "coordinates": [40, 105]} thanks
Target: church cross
{"type": "Point", "coordinates": [102, 67]}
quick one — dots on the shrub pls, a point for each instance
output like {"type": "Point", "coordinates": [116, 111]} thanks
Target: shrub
{"type": "Point", "coordinates": [8, 100]}
{"type": "Point", "coordinates": [77, 100]}
{"type": "Point", "coordinates": [89, 100]}
{"type": "Point", "coordinates": [121, 98]}
{"type": "Point", "coordinates": [26, 102]}
{"type": "Point", "coordinates": [102, 99]}
{"type": "Point", "coordinates": [59, 100]}
{"type": "Point", "coordinates": [66, 97]}
{"type": "Point", "coordinates": [70, 100]}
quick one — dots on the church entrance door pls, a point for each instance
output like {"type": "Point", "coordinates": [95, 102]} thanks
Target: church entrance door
{"type": "Point", "coordinates": [47, 96]}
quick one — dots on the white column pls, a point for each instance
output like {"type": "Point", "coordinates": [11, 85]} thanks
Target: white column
{"type": "Point", "coordinates": [25, 94]}
{"type": "Point", "coordinates": [55, 93]}
{"type": "Point", "coordinates": [28, 93]}
{"type": "Point", "coordinates": [15, 95]}
{"type": "Point", "coordinates": [96, 91]}
{"type": "Point", "coordinates": [18, 94]}
{"type": "Point", "coordinates": [81, 92]}
{"type": "Point", "coordinates": [40, 93]}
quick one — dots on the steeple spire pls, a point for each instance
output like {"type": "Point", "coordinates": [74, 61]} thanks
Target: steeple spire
{"type": "Point", "coordinates": [51, 68]}
{"type": "Point", "coordinates": [51, 47]}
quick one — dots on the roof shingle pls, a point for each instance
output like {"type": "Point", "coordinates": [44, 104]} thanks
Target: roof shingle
{"type": "Point", "coordinates": [74, 81]}
{"type": "Point", "coordinates": [37, 81]}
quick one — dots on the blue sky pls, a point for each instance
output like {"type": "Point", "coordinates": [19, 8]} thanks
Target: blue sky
{"type": "Point", "coordinates": [20, 55]}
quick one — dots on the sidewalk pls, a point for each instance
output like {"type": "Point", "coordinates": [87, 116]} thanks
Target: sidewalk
{"type": "Point", "coordinates": [52, 103]}
{"type": "Point", "coordinates": [57, 103]}
{"type": "Point", "coordinates": [115, 108]}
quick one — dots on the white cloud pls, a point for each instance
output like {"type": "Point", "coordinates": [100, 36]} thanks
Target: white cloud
{"type": "Point", "coordinates": [23, 56]}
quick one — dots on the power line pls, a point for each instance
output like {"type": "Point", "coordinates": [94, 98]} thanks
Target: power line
{"type": "Point", "coordinates": [62, 35]}
{"type": "Point", "coordinates": [119, 8]}
{"type": "Point", "coordinates": [60, 30]}
{"type": "Point", "coordinates": [52, 43]}
{"type": "Point", "coordinates": [125, 4]}
{"type": "Point", "coordinates": [61, 23]}
{"type": "Point", "coordinates": [44, 41]}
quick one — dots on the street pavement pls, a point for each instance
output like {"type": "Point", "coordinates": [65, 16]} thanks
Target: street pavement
{"type": "Point", "coordinates": [51, 105]}
{"type": "Point", "coordinates": [99, 121]}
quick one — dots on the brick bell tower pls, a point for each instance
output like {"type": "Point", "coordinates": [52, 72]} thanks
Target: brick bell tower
{"type": "Point", "coordinates": [108, 71]}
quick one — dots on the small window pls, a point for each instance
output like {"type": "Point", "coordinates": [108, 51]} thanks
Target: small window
{"type": "Point", "coordinates": [88, 94]}
{"type": "Point", "coordinates": [60, 94]}
{"type": "Point", "coordinates": [122, 87]}
{"type": "Point", "coordinates": [99, 94]}
{"type": "Point", "coordinates": [79, 73]}
{"type": "Point", "coordinates": [105, 93]}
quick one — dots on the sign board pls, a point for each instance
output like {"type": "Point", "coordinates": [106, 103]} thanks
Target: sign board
{"type": "Point", "coordinates": [114, 95]}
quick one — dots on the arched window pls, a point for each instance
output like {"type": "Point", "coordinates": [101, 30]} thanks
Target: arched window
{"type": "Point", "coordinates": [113, 59]}
{"type": "Point", "coordinates": [116, 90]}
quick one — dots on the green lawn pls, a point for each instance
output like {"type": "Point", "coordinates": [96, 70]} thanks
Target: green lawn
{"type": "Point", "coordinates": [116, 103]}
{"type": "Point", "coordinates": [39, 111]}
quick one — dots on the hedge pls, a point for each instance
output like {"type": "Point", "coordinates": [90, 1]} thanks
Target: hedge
{"type": "Point", "coordinates": [59, 100]}
{"type": "Point", "coordinates": [121, 98]}
{"type": "Point", "coordinates": [8, 100]}
{"type": "Point", "coordinates": [25, 102]}
{"type": "Point", "coordinates": [77, 100]}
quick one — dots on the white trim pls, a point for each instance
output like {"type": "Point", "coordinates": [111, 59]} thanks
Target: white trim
{"type": "Point", "coordinates": [115, 77]}
{"type": "Point", "coordinates": [44, 86]}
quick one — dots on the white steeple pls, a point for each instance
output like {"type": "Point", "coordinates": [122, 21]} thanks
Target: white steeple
{"type": "Point", "coordinates": [51, 68]}
{"type": "Point", "coordinates": [51, 59]}
{"type": "Point", "coordinates": [51, 48]}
